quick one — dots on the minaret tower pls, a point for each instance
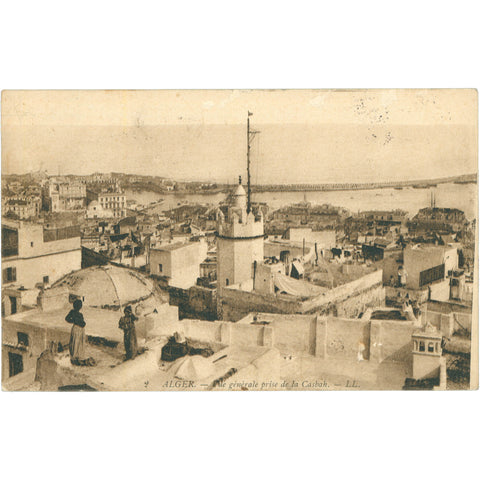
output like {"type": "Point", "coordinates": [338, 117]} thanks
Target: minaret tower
{"type": "Point", "coordinates": [240, 236]}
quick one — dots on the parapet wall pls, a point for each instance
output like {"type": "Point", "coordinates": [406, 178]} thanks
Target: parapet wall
{"type": "Point", "coordinates": [344, 338]}
{"type": "Point", "coordinates": [346, 291]}
{"type": "Point", "coordinates": [324, 337]}
{"type": "Point", "coordinates": [391, 340]}
{"type": "Point", "coordinates": [235, 229]}
{"type": "Point", "coordinates": [448, 323]}
{"type": "Point", "coordinates": [228, 333]}
{"type": "Point", "coordinates": [236, 304]}
{"type": "Point", "coordinates": [346, 300]}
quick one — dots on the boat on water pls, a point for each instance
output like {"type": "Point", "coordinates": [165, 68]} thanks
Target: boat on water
{"type": "Point", "coordinates": [425, 185]}
{"type": "Point", "coordinates": [398, 188]}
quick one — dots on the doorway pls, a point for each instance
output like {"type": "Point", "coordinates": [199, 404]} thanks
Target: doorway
{"type": "Point", "coordinates": [15, 362]}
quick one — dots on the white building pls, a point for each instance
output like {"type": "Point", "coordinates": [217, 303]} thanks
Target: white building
{"type": "Point", "coordinates": [104, 291]}
{"type": "Point", "coordinates": [33, 256]}
{"type": "Point", "coordinates": [23, 207]}
{"type": "Point", "coordinates": [116, 202]}
{"type": "Point", "coordinates": [95, 210]}
{"type": "Point", "coordinates": [325, 239]}
{"type": "Point", "coordinates": [65, 195]}
{"type": "Point", "coordinates": [427, 264]}
{"type": "Point", "coordinates": [179, 263]}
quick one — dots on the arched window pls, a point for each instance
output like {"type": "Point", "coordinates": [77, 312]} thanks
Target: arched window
{"type": "Point", "coordinates": [421, 348]}
{"type": "Point", "coordinates": [431, 347]}
{"type": "Point", "coordinates": [227, 282]}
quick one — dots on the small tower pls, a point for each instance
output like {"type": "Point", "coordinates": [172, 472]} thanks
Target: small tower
{"type": "Point", "coordinates": [427, 352]}
{"type": "Point", "coordinates": [240, 238]}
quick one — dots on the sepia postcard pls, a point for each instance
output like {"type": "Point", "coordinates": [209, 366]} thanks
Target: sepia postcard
{"type": "Point", "coordinates": [226, 240]}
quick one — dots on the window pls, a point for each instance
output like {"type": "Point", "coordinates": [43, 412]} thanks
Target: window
{"type": "Point", "coordinates": [431, 348]}
{"type": "Point", "coordinates": [227, 282]}
{"type": "Point", "coordinates": [160, 268]}
{"type": "Point", "coordinates": [421, 348]}
{"type": "Point", "coordinates": [31, 244]}
{"type": "Point", "coordinates": [13, 305]}
{"type": "Point", "coordinates": [9, 274]}
{"type": "Point", "coordinates": [22, 338]}
{"type": "Point", "coordinates": [46, 279]}
{"type": "Point", "coordinates": [432, 275]}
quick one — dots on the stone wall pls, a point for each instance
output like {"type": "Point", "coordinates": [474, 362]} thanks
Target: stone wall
{"type": "Point", "coordinates": [247, 335]}
{"type": "Point", "coordinates": [236, 304]}
{"type": "Point", "coordinates": [391, 340]}
{"type": "Point", "coordinates": [356, 304]}
{"type": "Point", "coordinates": [344, 338]}
{"type": "Point", "coordinates": [196, 302]}
{"type": "Point", "coordinates": [440, 291]}
{"type": "Point", "coordinates": [448, 323]}
{"type": "Point", "coordinates": [295, 333]}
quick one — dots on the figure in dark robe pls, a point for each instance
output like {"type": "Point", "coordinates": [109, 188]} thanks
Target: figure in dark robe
{"type": "Point", "coordinates": [127, 324]}
{"type": "Point", "coordinates": [77, 335]}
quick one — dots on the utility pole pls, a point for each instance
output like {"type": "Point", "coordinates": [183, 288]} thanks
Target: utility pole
{"type": "Point", "coordinates": [250, 136]}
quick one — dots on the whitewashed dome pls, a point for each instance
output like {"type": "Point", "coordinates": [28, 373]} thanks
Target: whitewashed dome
{"type": "Point", "coordinates": [109, 286]}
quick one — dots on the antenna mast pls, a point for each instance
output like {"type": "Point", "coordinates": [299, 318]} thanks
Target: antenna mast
{"type": "Point", "coordinates": [250, 136]}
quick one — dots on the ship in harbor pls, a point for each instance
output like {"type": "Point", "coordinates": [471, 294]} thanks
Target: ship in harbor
{"type": "Point", "coordinates": [425, 185]}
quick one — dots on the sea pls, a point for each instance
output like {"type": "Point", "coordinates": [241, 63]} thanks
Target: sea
{"type": "Point", "coordinates": [447, 195]}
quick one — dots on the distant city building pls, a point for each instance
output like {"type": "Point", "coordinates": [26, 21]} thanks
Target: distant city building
{"type": "Point", "coordinates": [433, 219]}
{"type": "Point", "coordinates": [326, 216]}
{"type": "Point", "coordinates": [98, 178]}
{"type": "Point", "coordinates": [376, 222]}
{"type": "Point", "coordinates": [95, 210]}
{"type": "Point", "coordinates": [23, 207]}
{"type": "Point", "coordinates": [385, 217]}
{"type": "Point", "coordinates": [15, 187]}
{"type": "Point", "coordinates": [116, 202]}
{"type": "Point", "coordinates": [65, 195]}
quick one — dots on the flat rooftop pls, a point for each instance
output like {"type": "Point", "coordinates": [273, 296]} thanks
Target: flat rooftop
{"type": "Point", "coordinates": [100, 322]}
{"type": "Point", "coordinates": [147, 372]}
{"type": "Point", "coordinates": [172, 247]}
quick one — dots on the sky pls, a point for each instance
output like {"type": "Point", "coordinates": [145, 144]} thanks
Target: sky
{"type": "Point", "coordinates": [306, 136]}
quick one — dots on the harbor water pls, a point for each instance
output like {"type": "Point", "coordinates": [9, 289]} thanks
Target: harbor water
{"type": "Point", "coordinates": [451, 195]}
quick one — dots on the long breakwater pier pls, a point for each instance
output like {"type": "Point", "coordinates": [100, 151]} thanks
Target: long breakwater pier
{"type": "Point", "coordinates": [306, 187]}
